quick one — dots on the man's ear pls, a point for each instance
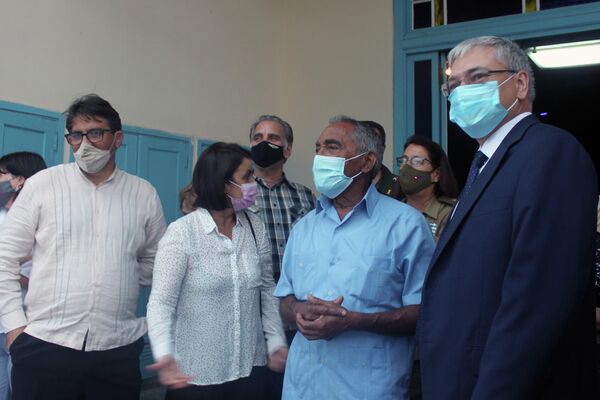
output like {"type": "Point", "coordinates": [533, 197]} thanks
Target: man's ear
{"type": "Point", "coordinates": [118, 139]}
{"type": "Point", "coordinates": [370, 162]}
{"type": "Point", "coordinates": [287, 152]}
{"type": "Point", "coordinates": [522, 82]}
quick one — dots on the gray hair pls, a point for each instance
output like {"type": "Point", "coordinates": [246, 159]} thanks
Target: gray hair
{"type": "Point", "coordinates": [365, 138]}
{"type": "Point", "coordinates": [507, 52]}
{"type": "Point", "coordinates": [287, 129]}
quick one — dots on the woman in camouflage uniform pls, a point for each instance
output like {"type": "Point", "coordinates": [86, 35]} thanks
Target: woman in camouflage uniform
{"type": "Point", "coordinates": [428, 181]}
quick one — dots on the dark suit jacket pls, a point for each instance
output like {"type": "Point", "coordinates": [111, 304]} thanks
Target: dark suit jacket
{"type": "Point", "coordinates": [507, 307]}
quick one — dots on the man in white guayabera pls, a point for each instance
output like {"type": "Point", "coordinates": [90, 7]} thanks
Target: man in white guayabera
{"type": "Point", "coordinates": [93, 231]}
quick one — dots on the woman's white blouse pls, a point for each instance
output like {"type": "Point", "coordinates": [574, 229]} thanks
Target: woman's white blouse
{"type": "Point", "coordinates": [212, 303]}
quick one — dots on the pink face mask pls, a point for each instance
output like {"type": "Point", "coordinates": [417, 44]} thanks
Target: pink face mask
{"type": "Point", "coordinates": [249, 193]}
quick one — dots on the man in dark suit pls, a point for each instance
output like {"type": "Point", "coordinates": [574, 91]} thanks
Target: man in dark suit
{"type": "Point", "coordinates": [507, 306]}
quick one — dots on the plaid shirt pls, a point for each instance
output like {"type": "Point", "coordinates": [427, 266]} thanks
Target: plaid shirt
{"type": "Point", "coordinates": [280, 207]}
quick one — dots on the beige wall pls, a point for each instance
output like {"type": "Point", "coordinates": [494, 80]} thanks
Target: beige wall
{"type": "Point", "coordinates": [205, 68]}
{"type": "Point", "coordinates": [337, 59]}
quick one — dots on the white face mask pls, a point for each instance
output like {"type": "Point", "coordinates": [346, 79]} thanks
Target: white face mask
{"type": "Point", "coordinates": [92, 159]}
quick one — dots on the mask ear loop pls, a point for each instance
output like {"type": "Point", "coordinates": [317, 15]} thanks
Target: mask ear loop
{"type": "Point", "coordinates": [114, 140]}
{"type": "Point", "coordinates": [506, 80]}
{"type": "Point", "coordinates": [352, 158]}
{"type": "Point", "coordinates": [356, 156]}
{"type": "Point", "coordinates": [517, 99]}
{"type": "Point", "coordinates": [356, 175]}
{"type": "Point", "coordinates": [513, 104]}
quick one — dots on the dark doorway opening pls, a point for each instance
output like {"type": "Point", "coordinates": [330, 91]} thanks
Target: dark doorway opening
{"type": "Point", "coordinates": [565, 97]}
{"type": "Point", "coordinates": [568, 98]}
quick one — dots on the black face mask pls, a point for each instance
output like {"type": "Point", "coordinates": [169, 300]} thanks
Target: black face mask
{"type": "Point", "coordinates": [266, 154]}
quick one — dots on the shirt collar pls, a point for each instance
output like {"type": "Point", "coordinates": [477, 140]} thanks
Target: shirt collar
{"type": "Point", "coordinates": [115, 174]}
{"type": "Point", "coordinates": [262, 182]}
{"type": "Point", "coordinates": [492, 143]}
{"type": "Point", "coordinates": [206, 220]}
{"type": "Point", "coordinates": [368, 201]}
{"type": "Point", "coordinates": [209, 225]}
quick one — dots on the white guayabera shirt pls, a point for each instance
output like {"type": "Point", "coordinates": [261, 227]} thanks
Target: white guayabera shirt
{"type": "Point", "coordinates": [93, 246]}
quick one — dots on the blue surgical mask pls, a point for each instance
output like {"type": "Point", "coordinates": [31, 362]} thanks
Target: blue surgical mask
{"type": "Point", "coordinates": [476, 108]}
{"type": "Point", "coordinates": [329, 177]}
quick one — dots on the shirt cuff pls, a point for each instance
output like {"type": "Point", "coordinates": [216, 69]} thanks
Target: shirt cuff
{"type": "Point", "coordinates": [276, 343]}
{"type": "Point", "coordinates": [26, 269]}
{"type": "Point", "coordinates": [13, 320]}
{"type": "Point", "coordinates": [282, 291]}
{"type": "Point", "coordinates": [411, 299]}
{"type": "Point", "coordinates": [161, 349]}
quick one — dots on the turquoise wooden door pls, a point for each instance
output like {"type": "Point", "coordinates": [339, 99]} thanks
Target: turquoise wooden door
{"type": "Point", "coordinates": [24, 128]}
{"type": "Point", "coordinates": [165, 161]}
{"type": "Point", "coordinates": [127, 154]}
{"type": "Point", "coordinates": [203, 144]}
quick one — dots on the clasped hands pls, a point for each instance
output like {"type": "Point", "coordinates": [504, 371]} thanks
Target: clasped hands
{"type": "Point", "coordinates": [321, 319]}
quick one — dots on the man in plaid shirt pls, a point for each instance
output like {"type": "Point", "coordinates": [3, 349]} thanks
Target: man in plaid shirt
{"type": "Point", "coordinates": [280, 203]}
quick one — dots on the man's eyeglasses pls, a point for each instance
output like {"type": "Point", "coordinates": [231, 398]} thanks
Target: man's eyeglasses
{"type": "Point", "coordinates": [93, 135]}
{"type": "Point", "coordinates": [476, 76]}
{"type": "Point", "coordinates": [414, 161]}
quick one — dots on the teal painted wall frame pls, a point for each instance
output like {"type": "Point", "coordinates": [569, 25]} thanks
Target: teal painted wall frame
{"type": "Point", "coordinates": [203, 144]}
{"type": "Point", "coordinates": [431, 43]}
{"type": "Point", "coordinates": [164, 159]}
{"type": "Point", "coordinates": [26, 128]}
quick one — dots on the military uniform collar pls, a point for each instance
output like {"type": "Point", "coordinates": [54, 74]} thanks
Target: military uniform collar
{"type": "Point", "coordinates": [436, 205]}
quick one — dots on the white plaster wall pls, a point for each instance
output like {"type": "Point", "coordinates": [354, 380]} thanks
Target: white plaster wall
{"type": "Point", "coordinates": [205, 68]}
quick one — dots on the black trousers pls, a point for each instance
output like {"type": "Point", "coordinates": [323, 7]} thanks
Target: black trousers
{"type": "Point", "coordinates": [47, 371]}
{"type": "Point", "coordinates": [250, 387]}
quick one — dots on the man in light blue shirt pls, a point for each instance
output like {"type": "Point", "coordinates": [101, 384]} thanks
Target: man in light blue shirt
{"type": "Point", "coordinates": [351, 278]}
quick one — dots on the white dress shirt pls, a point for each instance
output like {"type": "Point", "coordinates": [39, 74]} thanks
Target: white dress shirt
{"type": "Point", "coordinates": [494, 141]}
{"type": "Point", "coordinates": [212, 304]}
{"type": "Point", "coordinates": [93, 246]}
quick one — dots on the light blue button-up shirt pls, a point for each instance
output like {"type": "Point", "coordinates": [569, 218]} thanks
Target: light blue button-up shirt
{"type": "Point", "coordinates": [376, 257]}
